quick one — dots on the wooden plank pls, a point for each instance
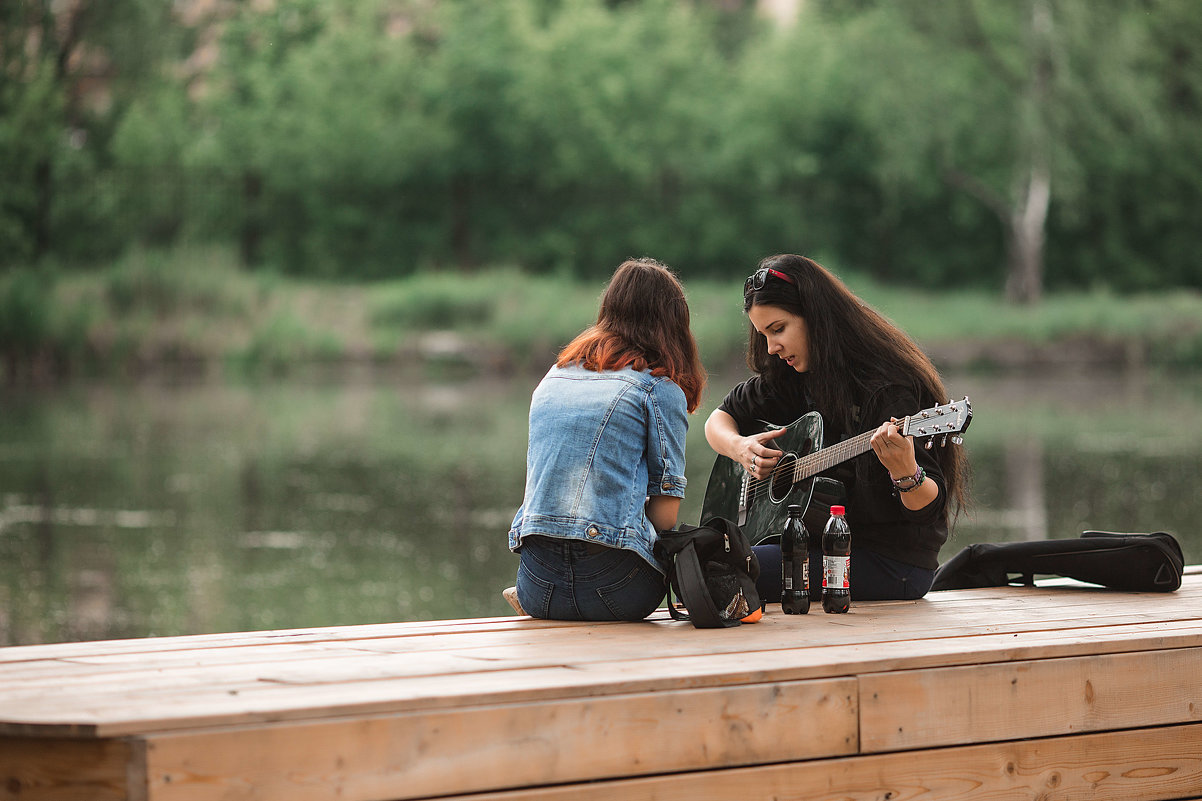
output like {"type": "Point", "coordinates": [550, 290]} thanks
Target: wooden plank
{"type": "Point", "coordinates": [1045, 607]}
{"type": "Point", "coordinates": [65, 770]}
{"type": "Point", "coordinates": [948, 706]}
{"type": "Point", "coordinates": [884, 621]}
{"type": "Point", "coordinates": [400, 711]}
{"type": "Point", "coordinates": [455, 666]}
{"type": "Point", "coordinates": [147, 645]}
{"type": "Point", "coordinates": [161, 704]}
{"type": "Point", "coordinates": [1162, 764]}
{"type": "Point", "coordinates": [538, 646]}
{"type": "Point", "coordinates": [456, 751]}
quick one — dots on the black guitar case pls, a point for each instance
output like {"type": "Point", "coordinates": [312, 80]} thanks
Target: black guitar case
{"type": "Point", "coordinates": [1133, 562]}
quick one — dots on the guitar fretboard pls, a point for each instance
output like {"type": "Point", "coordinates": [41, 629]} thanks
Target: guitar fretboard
{"type": "Point", "coordinates": [820, 460]}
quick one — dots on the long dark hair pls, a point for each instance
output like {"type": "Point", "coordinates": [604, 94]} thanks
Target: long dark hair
{"type": "Point", "coordinates": [853, 350]}
{"type": "Point", "coordinates": [643, 323]}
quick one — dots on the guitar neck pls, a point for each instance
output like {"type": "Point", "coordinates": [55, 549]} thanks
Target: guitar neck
{"type": "Point", "coordinates": [826, 458]}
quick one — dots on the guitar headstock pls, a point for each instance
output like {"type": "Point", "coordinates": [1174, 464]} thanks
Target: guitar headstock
{"type": "Point", "coordinates": [950, 418]}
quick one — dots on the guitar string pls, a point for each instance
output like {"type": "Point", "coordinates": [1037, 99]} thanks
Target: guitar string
{"type": "Point", "coordinates": [822, 459]}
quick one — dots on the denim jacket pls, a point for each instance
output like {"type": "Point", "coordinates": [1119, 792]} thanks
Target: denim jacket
{"type": "Point", "coordinates": [600, 444]}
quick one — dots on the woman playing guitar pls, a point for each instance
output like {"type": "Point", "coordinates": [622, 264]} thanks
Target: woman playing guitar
{"type": "Point", "coordinates": [815, 347]}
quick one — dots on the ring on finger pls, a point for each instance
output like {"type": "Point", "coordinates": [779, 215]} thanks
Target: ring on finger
{"type": "Point", "coordinates": [753, 461]}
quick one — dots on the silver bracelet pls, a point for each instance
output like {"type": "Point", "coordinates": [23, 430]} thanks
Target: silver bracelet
{"type": "Point", "coordinates": [915, 481]}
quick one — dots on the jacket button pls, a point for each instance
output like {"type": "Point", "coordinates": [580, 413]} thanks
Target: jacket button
{"type": "Point", "coordinates": [593, 531]}
{"type": "Point", "coordinates": [667, 485]}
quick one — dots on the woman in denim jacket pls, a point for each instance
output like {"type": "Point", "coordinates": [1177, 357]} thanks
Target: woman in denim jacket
{"type": "Point", "coordinates": [605, 462]}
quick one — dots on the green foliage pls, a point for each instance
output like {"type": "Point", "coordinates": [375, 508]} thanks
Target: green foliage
{"type": "Point", "coordinates": [30, 128]}
{"type": "Point", "coordinates": [165, 284]}
{"type": "Point", "coordinates": [41, 331]}
{"type": "Point", "coordinates": [378, 139]}
{"type": "Point", "coordinates": [194, 306]}
{"type": "Point", "coordinates": [434, 301]}
{"type": "Point", "coordinates": [26, 298]}
{"type": "Point", "coordinates": [509, 316]}
{"type": "Point", "coordinates": [283, 342]}
{"type": "Point", "coordinates": [67, 73]}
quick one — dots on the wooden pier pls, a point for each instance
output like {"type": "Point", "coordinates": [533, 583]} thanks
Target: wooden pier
{"type": "Point", "coordinates": [1056, 692]}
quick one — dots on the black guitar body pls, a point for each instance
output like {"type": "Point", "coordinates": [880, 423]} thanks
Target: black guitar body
{"type": "Point", "coordinates": [760, 506]}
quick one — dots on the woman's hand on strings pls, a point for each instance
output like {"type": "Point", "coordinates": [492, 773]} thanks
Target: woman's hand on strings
{"type": "Point", "coordinates": [895, 450]}
{"type": "Point", "coordinates": [755, 454]}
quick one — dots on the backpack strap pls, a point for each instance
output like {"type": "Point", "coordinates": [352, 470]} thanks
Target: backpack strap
{"type": "Point", "coordinates": [690, 581]}
{"type": "Point", "coordinates": [681, 550]}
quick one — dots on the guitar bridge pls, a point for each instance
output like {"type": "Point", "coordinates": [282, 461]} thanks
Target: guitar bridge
{"type": "Point", "coordinates": [744, 499]}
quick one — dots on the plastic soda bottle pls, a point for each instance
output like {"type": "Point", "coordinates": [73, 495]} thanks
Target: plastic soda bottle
{"type": "Point", "coordinates": [836, 563]}
{"type": "Point", "coordinates": [795, 564]}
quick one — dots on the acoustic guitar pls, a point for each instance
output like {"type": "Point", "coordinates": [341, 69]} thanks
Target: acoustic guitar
{"type": "Point", "coordinates": [760, 505]}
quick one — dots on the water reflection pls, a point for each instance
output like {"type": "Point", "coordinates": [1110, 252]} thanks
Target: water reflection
{"type": "Point", "coordinates": [1056, 455]}
{"type": "Point", "coordinates": [1026, 504]}
{"type": "Point", "coordinates": [161, 508]}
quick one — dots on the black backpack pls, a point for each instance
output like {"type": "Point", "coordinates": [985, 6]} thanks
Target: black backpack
{"type": "Point", "coordinates": [712, 570]}
{"type": "Point", "coordinates": [1133, 562]}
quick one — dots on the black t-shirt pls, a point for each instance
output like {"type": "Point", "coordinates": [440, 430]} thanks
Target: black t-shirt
{"type": "Point", "coordinates": [878, 519]}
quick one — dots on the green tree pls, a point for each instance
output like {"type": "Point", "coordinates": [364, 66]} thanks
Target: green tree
{"type": "Point", "coordinates": [34, 60]}
{"type": "Point", "coordinates": [620, 109]}
{"type": "Point", "coordinates": [1142, 179]}
{"type": "Point", "coordinates": [67, 73]}
{"type": "Point", "coordinates": [322, 113]}
{"type": "Point", "coordinates": [994, 99]}
{"type": "Point", "coordinates": [383, 136]}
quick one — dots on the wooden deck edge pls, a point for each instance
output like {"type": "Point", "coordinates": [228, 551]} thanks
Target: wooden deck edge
{"type": "Point", "coordinates": [1157, 764]}
{"type": "Point", "coordinates": [456, 751]}
{"type": "Point", "coordinates": [97, 770]}
{"type": "Point", "coordinates": [908, 709]}
{"type": "Point", "coordinates": [261, 702]}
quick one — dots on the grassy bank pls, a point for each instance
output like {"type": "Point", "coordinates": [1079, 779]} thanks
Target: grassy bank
{"type": "Point", "coordinates": [195, 309]}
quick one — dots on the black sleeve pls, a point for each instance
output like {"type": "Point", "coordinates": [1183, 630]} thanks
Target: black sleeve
{"type": "Point", "coordinates": [898, 402]}
{"type": "Point", "coordinates": [753, 402]}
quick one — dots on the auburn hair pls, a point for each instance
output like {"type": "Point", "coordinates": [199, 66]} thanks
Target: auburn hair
{"type": "Point", "coordinates": [643, 324]}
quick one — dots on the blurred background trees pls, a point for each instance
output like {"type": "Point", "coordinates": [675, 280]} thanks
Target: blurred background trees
{"type": "Point", "coordinates": [1016, 146]}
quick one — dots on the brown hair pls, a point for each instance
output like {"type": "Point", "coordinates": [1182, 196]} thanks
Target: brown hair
{"type": "Point", "coordinates": [643, 323]}
{"type": "Point", "coordinates": [853, 350]}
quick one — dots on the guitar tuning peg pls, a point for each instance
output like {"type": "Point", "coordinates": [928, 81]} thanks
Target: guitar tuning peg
{"type": "Point", "coordinates": [943, 442]}
{"type": "Point", "coordinates": [957, 440]}
{"type": "Point", "coordinates": [930, 444]}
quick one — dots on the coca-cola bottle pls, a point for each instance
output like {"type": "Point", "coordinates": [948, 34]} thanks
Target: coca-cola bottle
{"type": "Point", "coordinates": [795, 564]}
{"type": "Point", "coordinates": [836, 563]}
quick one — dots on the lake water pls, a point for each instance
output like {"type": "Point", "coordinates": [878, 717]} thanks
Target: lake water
{"type": "Point", "coordinates": [177, 507]}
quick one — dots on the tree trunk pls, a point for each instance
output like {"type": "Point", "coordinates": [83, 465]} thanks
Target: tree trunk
{"type": "Point", "coordinates": [251, 236]}
{"type": "Point", "coordinates": [43, 178]}
{"type": "Point", "coordinates": [1025, 235]}
{"type": "Point", "coordinates": [1025, 240]}
{"type": "Point", "coordinates": [461, 222]}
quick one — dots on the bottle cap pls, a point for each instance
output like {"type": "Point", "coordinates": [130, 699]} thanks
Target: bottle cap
{"type": "Point", "coordinates": [795, 509]}
{"type": "Point", "coordinates": [837, 510]}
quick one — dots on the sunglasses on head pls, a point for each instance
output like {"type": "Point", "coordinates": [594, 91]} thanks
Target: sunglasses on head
{"type": "Point", "coordinates": [755, 281]}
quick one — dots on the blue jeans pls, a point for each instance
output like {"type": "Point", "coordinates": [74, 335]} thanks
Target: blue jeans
{"type": "Point", "coordinates": [873, 577]}
{"type": "Point", "coordinates": [573, 580]}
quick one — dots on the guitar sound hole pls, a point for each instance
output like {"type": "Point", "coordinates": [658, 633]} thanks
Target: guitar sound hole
{"type": "Point", "coordinates": [782, 478]}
